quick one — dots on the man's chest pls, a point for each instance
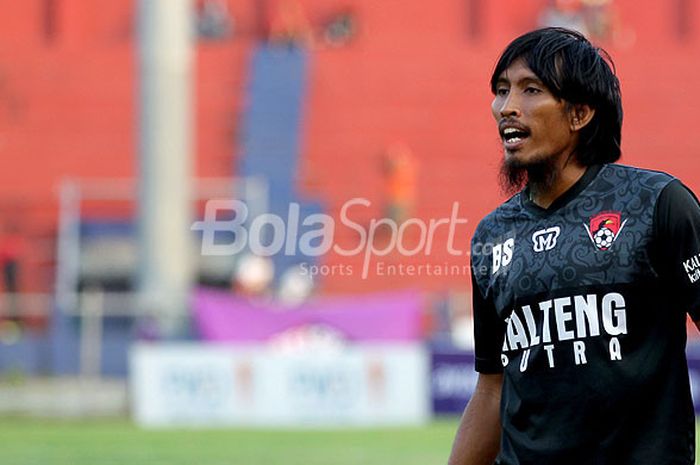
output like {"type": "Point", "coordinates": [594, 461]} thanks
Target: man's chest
{"type": "Point", "coordinates": [534, 256]}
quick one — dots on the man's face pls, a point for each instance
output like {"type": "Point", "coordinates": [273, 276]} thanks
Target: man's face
{"type": "Point", "coordinates": [535, 127]}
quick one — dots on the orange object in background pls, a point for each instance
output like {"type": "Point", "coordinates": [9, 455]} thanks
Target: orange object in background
{"type": "Point", "coordinates": [400, 172]}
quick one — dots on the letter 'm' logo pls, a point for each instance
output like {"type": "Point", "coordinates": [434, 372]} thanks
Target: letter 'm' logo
{"type": "Point", "coordinates": [545, 239]}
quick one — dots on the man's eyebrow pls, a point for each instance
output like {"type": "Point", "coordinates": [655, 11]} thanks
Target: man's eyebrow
{"type": "Point", "coordinates": [531, 79]}
{"type": "Point", "coordinates": [523, 80]}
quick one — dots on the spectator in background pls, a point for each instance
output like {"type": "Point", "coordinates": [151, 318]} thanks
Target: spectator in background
{"type": "Point", "coordinates": [341, 29]}
{"type": "Point", "coordinates": [253, 276]}
{"type": "Point", "coordinates": [600, 18]}
{"type": "Point", "coordinates": [565, 13]}
{"type": "Point", "coordinates": [214, 21]}
{"type": "Point", "coordinates": [12, 247]}
{"type": "Point", "coordinates": [399, 172]}
{"type": "Point", "coordinates": [592, 18]}
{"type": "Point", "coordinates": [289, 25]}
{"type": "Point", "coordinates": [296, 286]}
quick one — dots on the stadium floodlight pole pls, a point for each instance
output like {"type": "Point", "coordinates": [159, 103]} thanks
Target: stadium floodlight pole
{"type": "Point", "coordinates": [165, 55]}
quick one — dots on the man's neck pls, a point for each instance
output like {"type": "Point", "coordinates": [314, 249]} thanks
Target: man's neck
{"type": "Point", "coordinates": [544, 194]}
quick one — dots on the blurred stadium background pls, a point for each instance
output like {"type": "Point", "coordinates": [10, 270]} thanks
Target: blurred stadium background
{"type": "Point", "coordinates": [121, 120]}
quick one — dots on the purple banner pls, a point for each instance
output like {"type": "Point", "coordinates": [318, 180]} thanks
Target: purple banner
{"type": "Point", "coordinates": [453, 379]}
{"type": "Point", "coordinates": [395, 316]}
{"type": "Point", "coordinates": [693, 355]}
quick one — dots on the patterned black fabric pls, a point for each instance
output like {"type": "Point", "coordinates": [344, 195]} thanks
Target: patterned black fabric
{"type": "Point", "coordinates": [573, 304]}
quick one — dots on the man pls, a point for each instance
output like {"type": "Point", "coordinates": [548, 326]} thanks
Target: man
{"type": "Point", "coordinates": [580, 302]}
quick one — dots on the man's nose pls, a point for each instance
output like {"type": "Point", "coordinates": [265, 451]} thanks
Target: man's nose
{"type": "Point", "coordinates": [510, 106]}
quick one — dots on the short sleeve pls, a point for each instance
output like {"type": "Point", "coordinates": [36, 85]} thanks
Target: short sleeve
{"type": "Point", "coordinates": [489, 331]}
{"type": "Point", "coordinates": [676, 245]}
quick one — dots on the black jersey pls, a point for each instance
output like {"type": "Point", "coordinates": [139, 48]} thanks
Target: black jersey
{"type": "Point", "coordinates": [583, 307]}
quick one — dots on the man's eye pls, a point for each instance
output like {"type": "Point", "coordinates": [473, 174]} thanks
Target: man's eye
{"type": "Point", "coordinates": [532, 90]}
{"type": "Point", "coordinates": [502, 92]}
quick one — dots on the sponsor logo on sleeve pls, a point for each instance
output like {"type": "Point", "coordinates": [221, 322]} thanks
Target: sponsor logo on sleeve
{"type": "Point", "coordinates": [692, 268]}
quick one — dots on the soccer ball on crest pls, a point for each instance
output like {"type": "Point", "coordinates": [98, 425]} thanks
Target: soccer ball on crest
{"type": "Point", "coordinates": [603, 238]}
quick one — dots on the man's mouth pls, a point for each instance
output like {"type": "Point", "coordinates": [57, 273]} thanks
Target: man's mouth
{"type": "Point", "coordinates": [514, 136]}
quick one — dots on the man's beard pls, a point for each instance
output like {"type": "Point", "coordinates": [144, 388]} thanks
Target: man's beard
{"type": "Point", "coordinates": [515, 175]}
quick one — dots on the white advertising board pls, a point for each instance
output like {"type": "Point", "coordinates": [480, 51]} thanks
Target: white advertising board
{"type": "Point", "coordinates": [219, 385]}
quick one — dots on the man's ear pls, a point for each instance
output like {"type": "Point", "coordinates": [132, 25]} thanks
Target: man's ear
{"type": "Point", "coordinates": [580, 114]}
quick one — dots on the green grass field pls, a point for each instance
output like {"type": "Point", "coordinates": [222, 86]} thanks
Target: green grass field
{"type": "Point", "coordinates": [34, 442]}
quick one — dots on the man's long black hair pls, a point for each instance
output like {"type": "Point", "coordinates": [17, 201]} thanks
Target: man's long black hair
{"type": "Point", "coordinates": [579, 73]}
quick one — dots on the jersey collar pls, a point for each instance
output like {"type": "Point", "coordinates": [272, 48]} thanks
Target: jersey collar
{"type": "Point", "coordinates": [565, 198]}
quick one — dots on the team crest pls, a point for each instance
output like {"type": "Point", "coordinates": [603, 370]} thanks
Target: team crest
{"type": "Point", "coordinates": [604, 229]}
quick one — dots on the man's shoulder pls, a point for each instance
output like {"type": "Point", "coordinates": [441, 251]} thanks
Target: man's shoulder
{"type": "Point", "coordinates": [496, 222]}
{"type": "Point", "coordinates": [619, 172]}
